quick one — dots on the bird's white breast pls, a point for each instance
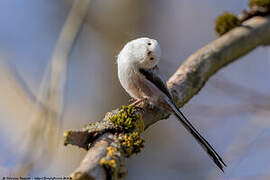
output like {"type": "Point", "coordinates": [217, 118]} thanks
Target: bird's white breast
{"type": "Point", "coordinates": [129, 78]}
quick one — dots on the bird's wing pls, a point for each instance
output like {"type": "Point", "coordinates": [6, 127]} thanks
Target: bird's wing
{"type": "Point", "coordinates": [153, 76]}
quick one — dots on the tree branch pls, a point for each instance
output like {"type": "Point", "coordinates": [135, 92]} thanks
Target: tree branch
{"type": "Point", "coordinates": [184, 84]}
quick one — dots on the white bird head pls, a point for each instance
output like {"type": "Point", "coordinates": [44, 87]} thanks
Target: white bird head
{"type": "Point", "coordinates": [142, 52]}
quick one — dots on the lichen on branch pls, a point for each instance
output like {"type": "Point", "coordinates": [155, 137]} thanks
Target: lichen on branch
{"type": "Point", "coordinates": [225, 23]}
{"type": "Point", "coordinates": [259, 3]}
{"type": "Point", "coordinates": [126, 125]}
{"type": "Point", "coordinates": [110, 140]}
{"type": "Point", "coordinates": [128, 119]}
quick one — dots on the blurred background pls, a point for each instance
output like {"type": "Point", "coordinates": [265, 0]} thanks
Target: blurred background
{"type": "Point", "coordinates": [232, 111]}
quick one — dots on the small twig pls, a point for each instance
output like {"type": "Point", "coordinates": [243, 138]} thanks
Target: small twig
{"type": "Point", "coordinates": [42, 133]}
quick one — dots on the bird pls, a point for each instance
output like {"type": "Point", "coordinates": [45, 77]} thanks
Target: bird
{"type": "Point", "coordinates": [139, 75]}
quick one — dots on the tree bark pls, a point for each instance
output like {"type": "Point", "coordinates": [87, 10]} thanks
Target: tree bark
{"type": "Point", "coordinates": [184, 84]}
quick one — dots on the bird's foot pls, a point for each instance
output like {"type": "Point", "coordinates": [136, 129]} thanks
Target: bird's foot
{"type": "Point", "coordinates": [132, 100]}
{"type": "Point", "coordinates": [139, 102]}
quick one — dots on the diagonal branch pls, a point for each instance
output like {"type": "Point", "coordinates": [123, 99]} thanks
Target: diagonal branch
{"type": "Point", "coordinates": [184, 84]}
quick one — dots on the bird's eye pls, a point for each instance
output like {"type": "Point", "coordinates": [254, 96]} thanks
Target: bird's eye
{"type": "Point", "coordinates": [149, 44]}
{"type": "Point", "coordinates": [152, 58]}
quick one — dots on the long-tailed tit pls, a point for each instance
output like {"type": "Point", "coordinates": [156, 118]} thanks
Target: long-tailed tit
{"type": "Point", "coordinates": [139, 75]}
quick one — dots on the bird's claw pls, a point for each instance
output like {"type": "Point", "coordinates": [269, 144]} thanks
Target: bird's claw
{"type": "Point", "coordinates": [140, 109]}
{"type": "Point", "coordinates": [131, 100]}
{"type": "Point", "coordinates": [140, 102]}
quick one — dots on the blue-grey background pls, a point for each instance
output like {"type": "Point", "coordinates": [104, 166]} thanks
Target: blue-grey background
{"type": "Point", "coordinates": [231, 111]}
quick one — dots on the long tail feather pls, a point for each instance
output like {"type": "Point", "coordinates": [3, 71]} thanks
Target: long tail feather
{"type": "Point", "coordinates": [205, 145]}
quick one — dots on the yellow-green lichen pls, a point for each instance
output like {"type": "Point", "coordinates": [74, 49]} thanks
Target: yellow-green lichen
{"type": "Point", "coordinates": [111, 151]}
{"type": "Point", "coordinates": [131, 122]}
{"type": "Point", "coordinates": [108, 163]}
{"type": "Point", "coordinates": [131, 143]}
{"type": "Point", "coordinates": [130, 125]}
{"type": "Point", "coordinates": [128, 119]}
{"type": "Point", "coordinates": [110, 166]}
{"type": "Point", "coordinates": [259, 3]}
{"type": "Point", "coordinates": [81, 176]}
{"type": "Point", "coordinates": [66, 135]}
{"type": "Point", "coordinates": [225, 23]}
